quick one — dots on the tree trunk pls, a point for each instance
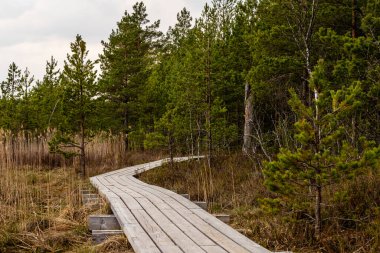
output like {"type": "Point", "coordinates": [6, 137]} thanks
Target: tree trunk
{"type": "Point", "coordinates": [318, 221]}
{"type": "Point", "coordinates": [198, 138]}
{"type": "Point", "coordinates": [82, 160]}
{"type": "Point", "coordinates": [318, 196]}
{"type": "Point", "coordinates": [82, 151]}
{"type": "Point", "coordinates": [191, 135]}
{"type": "Point", "coordinates": [354, 24]}
{"type": "Point", "coordinates": [171, 149]}
{"type": "Point", "coordinates": [209, 137]}
{"type": "Point", "coordinates": [171, 142]}
{"type": "Point", "coordinates": [82, 133]}
{"type": "Point", "coordinates": [248, 120]}
{"type": "Point", "coordinates": [126, 126]}
{"type": "Point", "coordinates": [209, 105]}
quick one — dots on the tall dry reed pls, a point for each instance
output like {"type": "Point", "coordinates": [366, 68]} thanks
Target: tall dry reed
{"type": "Point", "coordinates": [40, 202]}
{"type": "Point", "coordinates": [103, 152]}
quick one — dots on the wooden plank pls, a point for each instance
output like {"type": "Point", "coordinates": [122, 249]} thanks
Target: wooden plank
{"type": "Point", "coordinates": [188, 228]}
{"type": "Point", "coordinates": [179, 238]}
{"type": "Point", "coordinates": [219, 238]}
{"type": "Point", "coordinates": [136, 235]}
{"type": "Point", "coordinates": [168, 199]}
{"type": "Point", "coordinates": [248, 244]}
{"type": "Point", "coordinates": [223, 217]}
{"type": "Point", "coordinates": [185, 195]}
{"type": "Point", "coordinates": [174, 216]}
{"type": "Point", "coordinates": [89, 196]}
{"type": "Point", "coordinates": [184, 202]}
{"type": "Point", "coordinates": [214, 249]}
{"type": "Point", "coordinates": [159, 220]}
{"type": "Point", "coordinates": [201, 204]}
{"type": "Point", "coordinates": [231, 233]}
{"type": "Point", "coordinates": [98, 236]}
{"type": "Point", "coordinates": [159, 202]}
{"type": "Point", "coordinates": [155, 232]}
{"type": "Point", "coordinates": [130, 202]}
{"type": "Point", "coordinates": [178, 207]}
{"type": "Point", "coordinates": [103, 222]}
{"type": "Point", "coordinates": [215, 235]}
{"type": "Point", "coordinates": [185, 225]}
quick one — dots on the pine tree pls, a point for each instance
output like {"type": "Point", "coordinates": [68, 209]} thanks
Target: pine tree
{"type": "Point", "coordinates": [47, 97]}
{"type": "Point", "coordinates": [25, 107]}
{"type": "Point", "coordinates": [175, 90]}
{"type": "Point", "coordinates": [126, 64]}
{"type": "Point", "coordinates": [323, 155]}
{"type": "Point", "coordinates": [79, 89]}
{"type": "Point", "coordinates": [10, 95]}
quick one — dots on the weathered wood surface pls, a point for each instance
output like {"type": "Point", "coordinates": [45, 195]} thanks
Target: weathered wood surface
{"type": "Point", "coordinates": [103, 222]}
{"type": "Point", "coordinates": [158, 220]}
{"type": "Point", "coordinates": [99, 236]}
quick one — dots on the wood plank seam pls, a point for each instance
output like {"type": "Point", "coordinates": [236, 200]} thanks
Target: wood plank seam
{"type": "Point", "coordinates": [165, 211]}
{"type": "Point", "coordinates": [163, 214]}
{"type": "Point", "coordinates": [184, 218]}
{"type": "Point", "coordinates": [155, 219]}
{"type": "Point", "coordinates": [221, 230]}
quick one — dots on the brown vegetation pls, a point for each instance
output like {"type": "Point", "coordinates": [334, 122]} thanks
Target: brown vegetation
{"type": "Point", "coordinates": [104, 152]}
{"type": "Point", "coordinates": [41, 209]}
{"type": "Point", "coordinates": [235, 186]}
{"type": "Point", "coordinates": [40, 202]}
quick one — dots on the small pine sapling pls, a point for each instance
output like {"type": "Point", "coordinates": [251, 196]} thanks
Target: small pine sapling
{"type": "Point", "coordinates": [323, 155]}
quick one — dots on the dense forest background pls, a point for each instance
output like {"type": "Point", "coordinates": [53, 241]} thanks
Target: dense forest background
{"type": "Point", "coordinates": [190, 89]}
{"type": "Point", "coordinates": [294, 85]}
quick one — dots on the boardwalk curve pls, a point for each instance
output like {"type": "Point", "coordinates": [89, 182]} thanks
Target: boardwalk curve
{"type": "Point", "coordinates": [155, 219]}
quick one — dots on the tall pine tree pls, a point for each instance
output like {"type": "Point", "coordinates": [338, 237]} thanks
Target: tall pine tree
{"type": "Point", "coordinates": [79, 90]}
{"type": "Point", "coordinates": [126, 65]}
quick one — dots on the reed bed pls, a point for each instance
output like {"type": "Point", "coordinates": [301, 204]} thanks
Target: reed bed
{"type": "Point", "coordinates": [40, 202]}
{"type": "Point", "coordinates": [32, 149]}
{"type": "Point", "coordinates": [104, 152]}
{"type": "Point", "coordinates": [41, 210]}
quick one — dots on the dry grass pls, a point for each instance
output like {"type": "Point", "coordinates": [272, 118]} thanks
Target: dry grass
{"type": "Point", "coordinates": [104, 152]}
{"type": "Point", "coordinates": [235, 186]}
{"type": "Point", "coordinates": [41, 210]}
{"type": "Point", "coordinates": [40, 203]}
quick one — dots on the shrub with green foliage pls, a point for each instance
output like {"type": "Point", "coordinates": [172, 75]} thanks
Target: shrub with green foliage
{"type": "Point", "coordinates": [323, 154]}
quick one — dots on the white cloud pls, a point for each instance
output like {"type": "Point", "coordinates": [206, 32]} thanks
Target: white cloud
{"type": "Point", "coordinates": [11, 9]}
{"type": "Point", "coordinates": [33, 30]}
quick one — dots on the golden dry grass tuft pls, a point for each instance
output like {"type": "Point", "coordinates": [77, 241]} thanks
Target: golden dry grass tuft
{"type": "Point", "coordinates": [104, 152]}
{"type": "Point", "coordinates": [41, 211]}
{"type": "Point", "coordinates": [114, 245]}
{"type": "Point", "coordinates": [40, 201]}
{"type": "Point", "coordinates": [235, 186]}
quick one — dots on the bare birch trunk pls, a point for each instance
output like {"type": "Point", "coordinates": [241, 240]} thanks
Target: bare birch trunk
{"type": "Point", "coordinates": [248, 121]}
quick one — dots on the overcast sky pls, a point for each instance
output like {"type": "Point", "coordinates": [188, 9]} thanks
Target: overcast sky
{"type": "Point", "coordinates": [33, 30]}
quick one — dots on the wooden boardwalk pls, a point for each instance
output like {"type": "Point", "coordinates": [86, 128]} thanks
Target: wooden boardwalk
{"type": "Point", "coordinates": [158, 220]}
